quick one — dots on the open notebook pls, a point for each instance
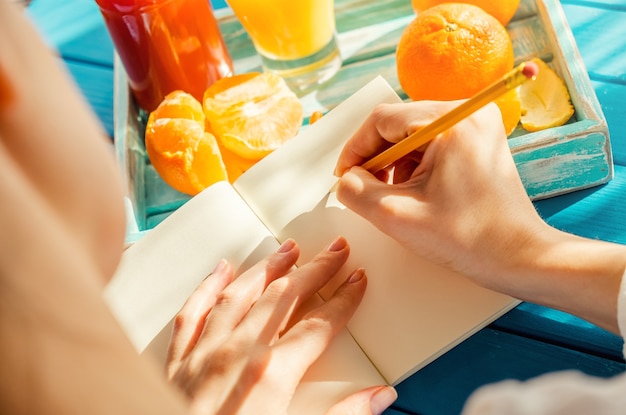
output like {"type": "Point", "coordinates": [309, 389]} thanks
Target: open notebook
{"type": "Point", "coordinates": [413, 311]}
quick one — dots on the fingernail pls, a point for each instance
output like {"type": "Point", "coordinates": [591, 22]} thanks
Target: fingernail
{"type": "Point", "coordinates": [286, 246]}
{"type": "Point", "coordinates": [357, 275]}
{"type": "Point", "coordinates": [338, 244]}
{"type": "Point", "coordinates": [382, 399]}
{"type": "Point", "coordinates": [218, 268]}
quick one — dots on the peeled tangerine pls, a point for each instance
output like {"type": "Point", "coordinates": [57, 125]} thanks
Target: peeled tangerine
{"type": "Point", "coordinates": [252, 114]}
{"type": "Point", "coordinates": [180, 150]}
{"type": "Point", "coordinates": [546, 103]}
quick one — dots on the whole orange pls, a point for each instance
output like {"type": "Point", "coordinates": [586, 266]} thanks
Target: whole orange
{"type": "Point", "coordinates": [503, 10]}
{"type": "Point", "coordinates": [452, 51]}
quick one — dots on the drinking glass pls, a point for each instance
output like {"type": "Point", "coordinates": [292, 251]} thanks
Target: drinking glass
{"type": "Point", "coordinates": [295, 39]}
{"type": "Point", "coordinates": [167, 45]}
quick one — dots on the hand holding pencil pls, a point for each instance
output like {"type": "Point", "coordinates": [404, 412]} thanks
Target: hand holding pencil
{"type": "Point", "coordinates": [513, 79]}
{"type": "Point", "coordinates": [461, 204]}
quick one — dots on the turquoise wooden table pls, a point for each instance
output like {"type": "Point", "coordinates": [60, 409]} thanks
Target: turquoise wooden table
{"type": "Point", "coordinates": [529, 340]}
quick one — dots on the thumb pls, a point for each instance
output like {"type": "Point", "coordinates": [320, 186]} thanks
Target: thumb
{"type": "Point", "coordinates": [370, 401]}
{"type": "Point", "coordinates": [360, 191]}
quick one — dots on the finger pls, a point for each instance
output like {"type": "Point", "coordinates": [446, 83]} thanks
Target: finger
{"type": "Point", "coordinates": [361, 192]}
{"type": "Point", "coordinates": [370, 401]}
{"type": "Point", "coordinates": [282, 298]}
{"type": "Point", "coordinates": [389, 207]}
{"type": "Point", "coordinates": [367, 141]}
{"type": "Point", "coordinates": [235, 301]}
{"type": "Point", "coordinates": [386, 125]}
{"type": "Point", "coordinates": [305, 341]}
{"type": "Point", "coordinates": [190, 320]}
{"type": "Point", "coordinates": [404, 168]}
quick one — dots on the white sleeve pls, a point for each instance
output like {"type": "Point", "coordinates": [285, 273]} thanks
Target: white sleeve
{"type": "Point", "coordinates": [563, 393]}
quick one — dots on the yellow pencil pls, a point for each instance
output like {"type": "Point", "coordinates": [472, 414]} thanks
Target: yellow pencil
{"type": "Point", "coordinates": [520, 74]}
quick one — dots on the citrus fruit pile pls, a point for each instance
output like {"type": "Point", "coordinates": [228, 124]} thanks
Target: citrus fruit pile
{"type": "Point", "coordinates": [242, 118]}
{"type": "Point", "coordinates": [453, 51]}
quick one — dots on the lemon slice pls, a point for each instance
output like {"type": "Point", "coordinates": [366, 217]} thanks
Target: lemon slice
{"type": "Point", "coordinates": [545, 102]}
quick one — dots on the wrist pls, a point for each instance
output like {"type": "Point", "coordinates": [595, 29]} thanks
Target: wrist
{"type": "Point", "coordinates": [567, 272]}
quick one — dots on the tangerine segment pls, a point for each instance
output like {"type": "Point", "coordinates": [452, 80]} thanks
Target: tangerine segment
{"type": "Point", "coordinates": [185, 156]}
{"type": "Point", "coordinates": [452, 51]}
{"type": "Point", "coordinates": [503, 10]}
{"type": "Point", "coordinates": [179, 104]}
{"type": "Point", "coordinates": [546, 102]}
{"type": "Point", "coordinates": [315, 117]}
{"type": "Point", "coordinates": [253, 115]}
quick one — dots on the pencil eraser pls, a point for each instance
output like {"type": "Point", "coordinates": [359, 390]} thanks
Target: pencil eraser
{"type": "Point", "coordinates": [530, 70]}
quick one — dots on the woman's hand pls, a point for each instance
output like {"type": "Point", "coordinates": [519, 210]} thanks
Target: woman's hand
{"type": "Point", "coordinates": [463, 204]}
{"type": "Point", "coordinates": [243, 346]}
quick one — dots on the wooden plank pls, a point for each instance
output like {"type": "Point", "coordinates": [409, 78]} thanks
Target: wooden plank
{"type": "Point", "coordinates": [75, 28]}
{"type": "Point", "coordinates": [218, 4]}
{"type": "Point", "coordinates": [561, 329]}
{"type": "Point", "coordinates": [573, 161]}
{"type": "Point", "coordinates": [594, 213]}
{"type": "Point", "coordinates": [96, 84]}
{"type": "Point", "coordinates": [611, 96]}
{"type": "Point", "coordinates": [442, 387]}
{"type": "Point", "coordinates": [615, 5]}
{"type": "Point", "coordinates": [601, 38]}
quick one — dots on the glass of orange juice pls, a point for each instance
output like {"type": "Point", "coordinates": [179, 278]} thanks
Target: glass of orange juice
{"type": "Point", "coordinates": [295, 39]}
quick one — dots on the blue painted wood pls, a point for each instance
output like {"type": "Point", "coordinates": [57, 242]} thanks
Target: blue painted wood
{"type": "Point", "coordinates": [75, 28]}
{"type": "Point", "coordinates": [575, 162]}
{"type": "Point", "coordinates": [611, 96]}
{"type": "Point", "coordinates": [489, 356]}
{"type": "Point", "coordinates": [615, 5]}
{"type": "Point", "coordinates": [598, 33]}
{"type": "Point", "coordinates": [598, 213]}
{"type": "Point", "coordinates": [560, 329]}
{"type": "Point", "coordinates": [218, 4]}
{"type": "Point", "coordinates": [96, 84]}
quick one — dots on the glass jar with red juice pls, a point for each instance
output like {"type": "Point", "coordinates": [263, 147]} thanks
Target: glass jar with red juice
{"type": "Point", "coordinates": [166, 45]}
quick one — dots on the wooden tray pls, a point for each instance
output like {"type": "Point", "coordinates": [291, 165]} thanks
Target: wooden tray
{"type": "Point", "coordinates": [551, 162]}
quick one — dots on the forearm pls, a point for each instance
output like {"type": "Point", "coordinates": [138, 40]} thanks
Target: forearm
{"type": "Point", "coordinates": [63, 153]}
{"type": "Point", "coordinates": [573, 274]}
{"type": "Point", "coordinates": [60, 343]}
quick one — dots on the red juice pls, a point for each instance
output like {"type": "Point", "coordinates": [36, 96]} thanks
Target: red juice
{"type": "Point", "coordinates": [166, 45]}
